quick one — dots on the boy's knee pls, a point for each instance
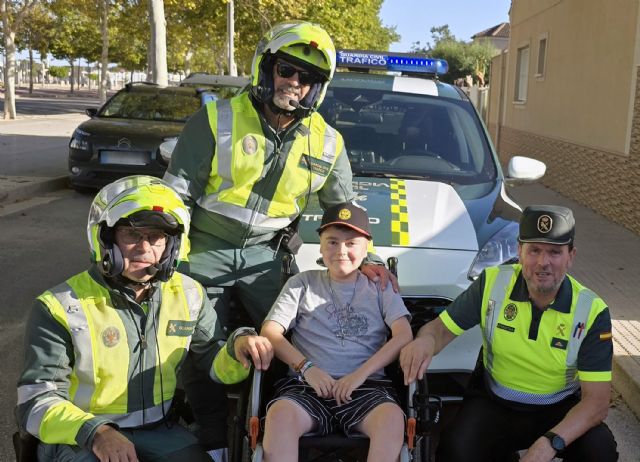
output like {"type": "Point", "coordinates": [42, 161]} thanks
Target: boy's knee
{"type": "Point", "coordinates": [286, 414]}
{"type": "Point", "coordinates": [386, 419]}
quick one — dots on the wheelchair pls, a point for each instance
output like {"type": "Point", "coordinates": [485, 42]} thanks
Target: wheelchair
{"type": "Point", "coordinates": [421, 409]}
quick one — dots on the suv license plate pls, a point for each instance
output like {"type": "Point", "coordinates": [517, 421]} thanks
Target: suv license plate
{"type": "Point", "coordinates": [124, 157]}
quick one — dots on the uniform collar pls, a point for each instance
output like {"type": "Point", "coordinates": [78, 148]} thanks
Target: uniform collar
{"type": "Point", "coordinates": [562, 302]}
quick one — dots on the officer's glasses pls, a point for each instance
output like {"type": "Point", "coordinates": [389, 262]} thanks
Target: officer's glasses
{"type": "Point", "coordinates": [132, 236]}
{"type": "Point", "coordinates": [286, 70]}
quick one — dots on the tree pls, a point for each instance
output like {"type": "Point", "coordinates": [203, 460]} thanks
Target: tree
{"type": "Point", "coordinates": [35, 33]}
{"type": "Point", "coordinates": [465, 59]}
{"type": "Point", "coordinates": [104, 56]}
{"type": "Point", "coordinates": [13, 14]}
{"type": "Point", "coordinates": [158, 42]}
{"type": "Point", "coordinates": [76, 35]}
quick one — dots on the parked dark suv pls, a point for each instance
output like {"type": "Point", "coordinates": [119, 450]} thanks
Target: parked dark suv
{"type": "Point", "coordinates": [122, 136]}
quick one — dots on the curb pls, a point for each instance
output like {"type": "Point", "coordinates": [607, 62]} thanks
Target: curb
{"type": "Point", "coordinates": [626, 381]}
{"type": "Point", "coordinates": [25, 191]}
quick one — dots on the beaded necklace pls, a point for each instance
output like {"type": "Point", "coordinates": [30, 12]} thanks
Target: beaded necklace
{"type": "Point", "coordinates": [341, 311]}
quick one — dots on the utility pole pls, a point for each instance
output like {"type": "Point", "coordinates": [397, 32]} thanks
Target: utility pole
{"type": "Point", "coordinates": [231, 32]}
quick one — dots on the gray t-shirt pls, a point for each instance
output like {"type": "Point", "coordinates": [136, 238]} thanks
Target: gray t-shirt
{"type": "Point", "coordinates": [338, 326]}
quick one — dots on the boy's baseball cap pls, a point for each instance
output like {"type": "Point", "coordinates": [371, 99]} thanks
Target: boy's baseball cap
{"type": "Point", "coordinates": [549, 224]}
{"type": "Point", "coordinates": [349, 215]}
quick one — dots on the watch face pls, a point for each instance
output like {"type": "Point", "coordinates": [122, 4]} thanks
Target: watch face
{"type": "Point", "coordinates": [557, 443]}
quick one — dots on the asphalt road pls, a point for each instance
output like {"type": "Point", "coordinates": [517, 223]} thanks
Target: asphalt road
{"type": "Point", "coordinates": [26, 106]}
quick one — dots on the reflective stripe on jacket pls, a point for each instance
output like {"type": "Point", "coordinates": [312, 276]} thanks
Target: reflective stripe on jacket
{"type": "Point", "coordinates": [121, 363]}
{"type": "Point", "coordinates": [255, 181]}
{"type": "Point", "coordinates": [517, 369]}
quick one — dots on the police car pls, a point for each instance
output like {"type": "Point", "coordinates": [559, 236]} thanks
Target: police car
{"type": "Point", "coordinates": [428, 175]}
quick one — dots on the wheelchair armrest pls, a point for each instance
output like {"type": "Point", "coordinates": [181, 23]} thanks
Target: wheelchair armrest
{"type": "Point", "coordinates": [254, 418]}
{"type": "Point", "coordinates": [255, 392]}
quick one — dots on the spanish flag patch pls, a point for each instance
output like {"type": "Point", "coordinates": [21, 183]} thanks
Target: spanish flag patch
{"type": "Point", "coordinates": [605, 336]}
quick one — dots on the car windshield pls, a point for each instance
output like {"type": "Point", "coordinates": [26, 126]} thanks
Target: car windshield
{"type": "Point", "coordinates": [391, 134]}
{"type": "Point", "coordinates": [164, 106]}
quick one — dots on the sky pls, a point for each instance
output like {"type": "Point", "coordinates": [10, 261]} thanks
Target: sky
{"type": "Point", "coordinates": [415, 18]}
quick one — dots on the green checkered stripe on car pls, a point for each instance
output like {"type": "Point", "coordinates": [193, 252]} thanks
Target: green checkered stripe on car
{"type": "Point", "coordinates": [399, 214]}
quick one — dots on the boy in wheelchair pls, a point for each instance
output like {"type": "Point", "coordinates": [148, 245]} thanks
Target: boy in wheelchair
{"type": "Point", "coordinates": [339, 323]}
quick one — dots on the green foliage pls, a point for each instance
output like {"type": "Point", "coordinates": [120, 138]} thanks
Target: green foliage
{"type": "Point", "coordinates": [464, 58]}
{"type": "Point", "coordinates": [197, 29]}
{"type": "Point", "coordinates": [60, 72]}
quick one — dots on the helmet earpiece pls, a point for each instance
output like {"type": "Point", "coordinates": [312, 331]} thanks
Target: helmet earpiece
{"type": "Point", "coordinates": [112, 263]}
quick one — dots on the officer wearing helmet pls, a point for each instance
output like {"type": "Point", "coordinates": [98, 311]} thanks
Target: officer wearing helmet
{"type": "Point", "coordinates": [246, 168]}
{"type": "Point", "coordinates": [103, 349]}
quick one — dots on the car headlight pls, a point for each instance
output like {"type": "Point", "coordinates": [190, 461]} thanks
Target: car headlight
{"type": "Point", "coordinates": [501, 248]}
{"type": "Point", "coordinates": [78, 140]}
{"type": "Point", "coordinates": [167, 147]}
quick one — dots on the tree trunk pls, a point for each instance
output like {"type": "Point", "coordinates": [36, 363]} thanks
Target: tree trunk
{"type": "Point", "coordinates": [9, 74]}
{"type": "Point", "coordinates": [30, 71]}
{"type": "Point", "coordinates": [105, 51]}
{"type": "Point", "coordinates": [187, 62]}
{"type": "Point", "coordinates": [159, 40]}
{"type": "Point", "coordinates": [151, 52]}
{"type": "Point", "coordinates": [72, 78]}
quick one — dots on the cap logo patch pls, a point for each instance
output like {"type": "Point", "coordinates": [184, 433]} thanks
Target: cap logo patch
{"type": "Point", "coordinates": [110, 336]}
{"type": "Point", "coordinates": [510, 312]}
{"type": "Point", "coordinates": [249, 145]}
{"type": "Point", "coordinates": [545, 223]}
{"type": "Point", "coordinates": [344, 214]}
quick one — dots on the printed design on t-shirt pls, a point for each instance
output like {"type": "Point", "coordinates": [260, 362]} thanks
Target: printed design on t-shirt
{"type": "Point", "coordinates": [348, 323]}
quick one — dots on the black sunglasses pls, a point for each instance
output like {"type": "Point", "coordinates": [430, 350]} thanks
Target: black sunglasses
{"type": "Point", "coordinates": [286, 70]}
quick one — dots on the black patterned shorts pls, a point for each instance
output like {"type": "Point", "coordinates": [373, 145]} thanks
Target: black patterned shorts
{"type": "Point", "coordinates": [326, 412]}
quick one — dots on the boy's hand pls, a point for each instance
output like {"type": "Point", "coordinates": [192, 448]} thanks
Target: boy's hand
{"type": "Point", "coordinates": [253, 348]}
{"type": "Point", "coordinates": [321, 382]}
{"type": "Point", "coordinates": [380, 273]}
{"type": "Point", "coordinates": [344, 386]}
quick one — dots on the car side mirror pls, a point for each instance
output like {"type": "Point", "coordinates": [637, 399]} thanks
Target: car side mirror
{"type": "Point", "coordinates": [91, 111]}
{"type": "Point", "coordinates": [524, 169]}
{"type": "Point", "coordinates": [166, 149]}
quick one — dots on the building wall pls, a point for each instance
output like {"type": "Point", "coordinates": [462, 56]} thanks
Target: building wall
{"type": "Point", "coordinates": [582, 117]}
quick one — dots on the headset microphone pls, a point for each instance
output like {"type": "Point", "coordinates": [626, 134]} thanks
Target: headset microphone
{"type": "Point", "coordinates": [152, 270]}
{"type": "Point", "coordinates": [297, 105]}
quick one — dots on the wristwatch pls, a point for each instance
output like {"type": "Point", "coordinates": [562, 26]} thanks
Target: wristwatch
{"type": "Point", "coordinates": [557, 442]}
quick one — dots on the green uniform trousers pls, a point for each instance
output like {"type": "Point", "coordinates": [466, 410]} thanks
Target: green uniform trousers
{"type": "Point", "coordinates": [242, 285]}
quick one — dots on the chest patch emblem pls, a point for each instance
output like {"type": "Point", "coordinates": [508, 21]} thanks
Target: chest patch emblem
{"type": "Point", "coordinates": [559, 343]}
{"type": "Point", "coordinates": [510, 312]}
{"type": "Point", "coordinates": [249, 145]}
{"type": "Point", "coordinates": [560, 330]}
{"type": "Point", "coordinates": [317, 166]}
{"type": "Point", "coordinates": [110, 336]}
{"type": "Point", "coordinates": [180, 328]}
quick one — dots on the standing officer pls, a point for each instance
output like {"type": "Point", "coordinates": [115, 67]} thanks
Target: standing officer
{"type": "Point", "coordinates": [103, 349]}
{"type": "Point", "coordinates": [246, 168]}
{"type": "Point", "coordinates": [545, 380]}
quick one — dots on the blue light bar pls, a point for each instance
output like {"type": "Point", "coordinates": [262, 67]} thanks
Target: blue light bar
{"type": "Point", "coordinates": [402, 62]}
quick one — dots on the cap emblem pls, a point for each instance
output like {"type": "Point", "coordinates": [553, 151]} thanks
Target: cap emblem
{"type": "Point", "coordinates": [344, 214]}
{"type": "Point", "coordinates": [545, 223]}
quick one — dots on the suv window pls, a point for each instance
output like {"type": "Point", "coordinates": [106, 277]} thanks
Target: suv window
{"type": "Point", "coordinates": [396, 134]}
{"type": "Point", "coordinates": [151, 105]}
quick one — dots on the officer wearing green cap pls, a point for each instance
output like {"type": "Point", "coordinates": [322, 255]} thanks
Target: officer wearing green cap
{"type": "Point", "coordinates": [246, 168]}
{"type": "Point", "coordinates": [103, 349]}
{"type": "Point", "coordinates": [544, 380]}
